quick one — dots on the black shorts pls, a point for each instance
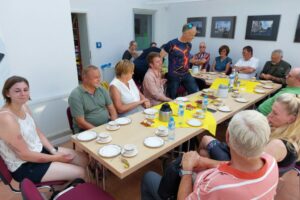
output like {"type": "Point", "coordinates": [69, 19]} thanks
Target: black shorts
{"type": "Point", "coordinates": [218, 150]}
{"type": "Point", "coordinates": [33, 171]}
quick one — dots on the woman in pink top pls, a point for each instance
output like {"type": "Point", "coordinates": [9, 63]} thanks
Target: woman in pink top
{"type": "Point", "coordinates": [153, 84]}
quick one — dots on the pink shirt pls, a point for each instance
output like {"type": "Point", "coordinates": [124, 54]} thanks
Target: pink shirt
{"type": "Point", "coordinates": [225, 182]}
{"type": "Point", "coordinates": [153, 86]}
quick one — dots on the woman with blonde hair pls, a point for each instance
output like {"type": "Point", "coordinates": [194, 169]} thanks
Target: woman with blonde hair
{"type": "Point", "coordinates": [123, 91]}
{"type": "Point", "coordinates": [284, 143]}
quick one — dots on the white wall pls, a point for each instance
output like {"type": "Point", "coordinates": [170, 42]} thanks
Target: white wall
{"type": "Point", "coordinates": [177, 14]}
{"type": "Point", "coordinates": [112, 23]}
{"type": "Point", "coordinates": [39, 43]}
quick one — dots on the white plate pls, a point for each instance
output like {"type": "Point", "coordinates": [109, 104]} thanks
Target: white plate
{"type": "Point", "coordinates": [107, 140]}
{"type": "Point", "coordinates": [212, 73]}
{"type": "Point", "coordinates": [110, 151]}
{"type": "Point", "coordinates": [194, 122]}
{"type": "Point", "coordinates": [224, 109]}
{"type": "Point", "coordinates": [161, 134]}
{"type": "Point", "coordinates": [87, 136]}
{"type": "Point", "coordinates": [259, 91]}
{"type": "Point", "coordinates": [131, 154]}
{"type": "Point", "coordinates": [268, 86]}
{"type": "Point", "coordinates": [265, 81]}
{"type": "Point", "coordinates": [150, 111]}
{"type": "Point", "coordinates": [202, 116]}
{"type": "Point", "coordinates": [241, 100]}
{"type": "Point", "coordinates": [123, 120]}
{"type": "Point", "coordinates": [153, 142]}
{"type": "Point", "coordinates": [112, 129]}
{"type": "Point", "coordinates": [184, 99]}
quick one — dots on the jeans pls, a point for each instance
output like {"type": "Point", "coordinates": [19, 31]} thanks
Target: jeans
{"type": "Point", "coordinates": [150, 185]}
{"type": "Point", "coordinates": [186, 80]}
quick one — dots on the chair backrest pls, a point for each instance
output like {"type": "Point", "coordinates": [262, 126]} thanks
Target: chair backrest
{"type": "Point", "coordinates": [70, 119]}
{"type": "Point", "coordinates": [29, 191]}
{"type": "Point", "coordinates": [4, 172]}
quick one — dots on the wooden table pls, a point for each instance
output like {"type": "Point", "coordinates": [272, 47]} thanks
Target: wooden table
{"type": "Point", "coordinates": [135, 133]}
{"type": "Point", "coordinates": [209, 77]}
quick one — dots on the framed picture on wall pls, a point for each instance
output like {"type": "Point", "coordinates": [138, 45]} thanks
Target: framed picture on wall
{"type": "Point", "coordinates": [297, 34]}
{"type": "Point", "coordinates": [200, 23]}
{"type": "Point", "coordinates": [223, 27]}
{"type": "Point", "coordinates": [262, 27]}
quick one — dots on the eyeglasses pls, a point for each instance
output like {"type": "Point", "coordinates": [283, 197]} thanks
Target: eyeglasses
{"type": "Point", "coordinates": [189, 25]}
{"type": "Point", "coordinates": [202, 46]}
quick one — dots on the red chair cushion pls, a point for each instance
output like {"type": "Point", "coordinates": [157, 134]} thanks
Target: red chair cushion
{"type": "Point", "coordinates": [5, 173]}
{"type": "Point", "coordinates": [85, 191]}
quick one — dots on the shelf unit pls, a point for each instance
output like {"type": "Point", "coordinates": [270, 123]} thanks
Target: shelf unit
{"type": "Point", "coordinates": [77, 45]}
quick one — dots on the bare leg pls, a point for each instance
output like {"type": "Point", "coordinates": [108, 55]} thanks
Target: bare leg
{"type": "Point", "coordinates": [80, 159]}
{"type": "Point", "coordinates": [63, 171]}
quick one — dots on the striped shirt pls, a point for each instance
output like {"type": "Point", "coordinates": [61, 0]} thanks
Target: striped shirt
{"type": "Point", "coordinates": [225, 182]}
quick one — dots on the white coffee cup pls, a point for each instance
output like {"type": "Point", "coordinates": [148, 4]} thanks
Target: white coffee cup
{"type": "Point", "coordinates": [129, 148]}
{"type": "Point", "coordinates": [162, 129]}
{"type": "Point", "coordinates": [113, 124]}
{"type": "Point", "coordinates": [103, 136]}
{"type": "Point", "coordinates": [195, 69]}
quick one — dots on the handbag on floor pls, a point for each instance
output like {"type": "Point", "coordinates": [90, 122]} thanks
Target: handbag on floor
{"type": "Point", "coordinates": [170, 181]}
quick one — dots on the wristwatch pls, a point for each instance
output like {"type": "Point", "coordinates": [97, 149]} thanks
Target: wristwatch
{"type": "Point", "coordinates": [185, 172]}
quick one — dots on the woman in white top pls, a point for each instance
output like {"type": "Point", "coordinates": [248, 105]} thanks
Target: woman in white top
{"type": "Point", "coordinates": [24, 148]}
{"type": "Point", "coordinates": [124, 93]}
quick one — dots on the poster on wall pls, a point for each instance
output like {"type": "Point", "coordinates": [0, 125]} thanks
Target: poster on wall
{"type": "Point", "coordinates": [297, 34]}
{"type": "Point", "coordinates": [199, 23]}
{"type": "Point", "coordinates": [223, 27]}
{"type": "Point", "coordinates": [262, 27]}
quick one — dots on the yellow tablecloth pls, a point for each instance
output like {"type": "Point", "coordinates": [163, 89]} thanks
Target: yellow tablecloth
{"type": "Point", "coordinates": [247, 84]}
{"type": "Point", "coordinates": [209, 123]}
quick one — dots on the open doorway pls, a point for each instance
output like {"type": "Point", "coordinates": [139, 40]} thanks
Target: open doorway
{"type": "Point", "coordinates": [143, 30]}
{"type": "Point", "coordinates": [81, 44]}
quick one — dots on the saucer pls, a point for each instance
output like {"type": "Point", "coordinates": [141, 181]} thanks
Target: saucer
{"type": "Point", "coordinates": [199, 116]}
{"type": "Point", "coordinates": [110, 151]}
{"type": "Point", "coordinates": [161, 134]}
{"type": "Point", "coordinates": [86, 136]}
{"type": "Point", "coordinates": [150, 111]}
{"type": "Point", "coordinates": [123, 120]}
{"type": "Point", "coordinates": [131, 154]}
{"type": "Point", "coordinates": [241, 100]}
{"type": "Point", "coordinates": [268, 86]}
{"type": "Point", "coordinates": [106, 140]}
{"type": "Point", "coordinates": [224, 109]}
{"type": "Point", "coordinates": [183, 99]}
{"type": "Point", "coordinates": [153, 142]}
{"type": "Point", "coordinates": [259, 91]}
{"type": "Point", "coordinates": [194, 122]}
{"type": "Point", "coordinates": [112, 129]}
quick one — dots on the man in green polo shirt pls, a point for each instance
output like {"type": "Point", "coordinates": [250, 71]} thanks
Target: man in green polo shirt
{"type": "Point", "coordinates": [90, 104]}
{"type": "Point", "coordinates": [293, 87]}
{"type": "Point", "coordinates": [277, 69]}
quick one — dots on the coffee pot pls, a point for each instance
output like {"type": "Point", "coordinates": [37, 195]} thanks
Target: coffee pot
{"type": "Point", "coordinates": [165, 112]}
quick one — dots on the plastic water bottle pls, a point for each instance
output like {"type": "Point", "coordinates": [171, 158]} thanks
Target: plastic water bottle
{"type": "Point", "coordinates": [205, 103]}
{"type": "Point", "coordinates": [180, 113]}
{"type": "Point", "coordinates": [171, 129]}
{"type": "Point", "coordinates": [231, 81]}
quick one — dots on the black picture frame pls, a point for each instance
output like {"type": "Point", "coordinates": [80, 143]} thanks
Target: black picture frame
{"type": "Point", "coordinates": [262, 27]}
{"type": "Point", "coordinates": [200, 23]}
{"type": "Point", "coordinates": [223, 27]}
{"type": "Point", "coordinates": [297, 34]}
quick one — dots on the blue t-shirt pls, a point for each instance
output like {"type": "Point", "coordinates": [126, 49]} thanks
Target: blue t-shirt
{"type": "Point", "coordinates": [179, 55]}
{"type": "Point", "coordinates": [221, 64]}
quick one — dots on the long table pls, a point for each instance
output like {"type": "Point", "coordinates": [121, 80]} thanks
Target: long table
{"type": "Point", "coordinates": [135, 133]}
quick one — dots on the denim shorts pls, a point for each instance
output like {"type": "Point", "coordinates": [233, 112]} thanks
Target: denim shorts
{"type": "Point", "coordinates": [33, 171]}
{"type": "Point", "coordinates": [218, 150]}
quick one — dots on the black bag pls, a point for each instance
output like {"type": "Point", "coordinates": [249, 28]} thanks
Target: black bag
{"type": "Point", "coordinates": [170, 181]}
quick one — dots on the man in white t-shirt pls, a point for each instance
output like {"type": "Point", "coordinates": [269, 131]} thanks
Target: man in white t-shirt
{"type": "Point", "coordinates": [247, 65]}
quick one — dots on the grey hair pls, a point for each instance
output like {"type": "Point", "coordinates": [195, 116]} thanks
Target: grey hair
{"type": "Point", "coordinates": [249, 133]}
{"type": "Point", "coordinates": [279, 51]}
